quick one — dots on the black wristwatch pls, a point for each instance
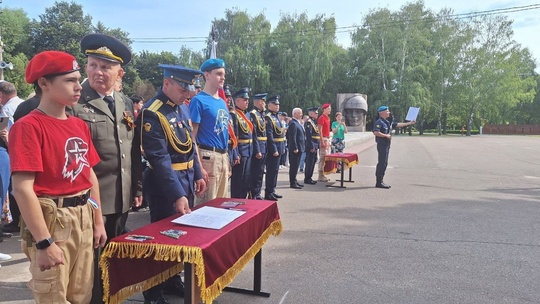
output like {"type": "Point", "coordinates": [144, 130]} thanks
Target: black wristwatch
{"type": "Point", "coordinates": [44, 243]}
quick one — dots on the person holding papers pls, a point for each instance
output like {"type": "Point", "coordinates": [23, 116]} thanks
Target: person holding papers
{"type": "Point", "coordinates": [175, 176]}
{"type": "Point", "coordinates": [382, 129]}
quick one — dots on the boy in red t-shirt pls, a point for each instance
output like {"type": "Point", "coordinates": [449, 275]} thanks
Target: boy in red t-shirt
{"type": "Point", "coordinates": [52, 166]}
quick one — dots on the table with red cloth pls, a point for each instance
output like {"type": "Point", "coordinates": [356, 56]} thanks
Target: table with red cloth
{"type": "Point", "coordinates": [331, 165]}
{"type": "Point", "coordinates": [216, 256]}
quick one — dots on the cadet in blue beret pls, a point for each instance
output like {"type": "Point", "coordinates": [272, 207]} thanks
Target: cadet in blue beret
{"type": "Point", "coordinates": [259, 145]}
{"type": "Point", "coordinates": [174, 176]}
{"type": "Point", "coordinates": [243, 128]}
{"type": "Point", "coordinates": [275, 144]}
{"type": "Point", "coordinates": [382, 129]}
{"type": "Point", "coordinates": [210, 117]}
{"type": "Point", "coordinates": [313, 138]}
{"type": "Point", "coordinates": [110, 117]}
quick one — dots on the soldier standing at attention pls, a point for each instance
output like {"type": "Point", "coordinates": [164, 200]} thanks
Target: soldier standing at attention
{"type": "Point", "coordinates": [259, 145]}
{"type": "Point", "coordinates": [243, 129]}
{"type": "Point", "coordinates": [275, 144]}
{"type": "Point", "coordinates": [110, 117]}
{"type": "Point", "coordinates": [312, 145]}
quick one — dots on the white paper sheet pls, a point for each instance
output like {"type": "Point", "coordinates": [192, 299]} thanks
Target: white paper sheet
{"type": "Point", "coordinates": [412, 114]}
{"type": "Point", "coordinates": [209, 217]}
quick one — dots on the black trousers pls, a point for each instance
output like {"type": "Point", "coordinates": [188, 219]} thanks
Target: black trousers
{"type": "Point", "coordinates": [240, 178]}
{"type": "Point", "coordinates": [272, 170]}
{"type": "Point", "coordinates": [311, 159]}
{"type": "Point", "coordinates": [256, 175]}
{"type": "Point", "coordinates": [383, 150]}
{"type": "Point", "coordinates": [294, 163]}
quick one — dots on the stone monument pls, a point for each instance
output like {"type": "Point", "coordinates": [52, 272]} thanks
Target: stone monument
{"type": "Point", "coordinates": [354, 108]}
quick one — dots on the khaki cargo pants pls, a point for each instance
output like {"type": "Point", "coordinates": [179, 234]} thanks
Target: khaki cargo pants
{"type": "Point", "coordinates": [73, 281]}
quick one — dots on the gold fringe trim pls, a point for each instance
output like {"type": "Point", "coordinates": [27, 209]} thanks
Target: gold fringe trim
{"type": "Point", "coordinates": [161, 252]}
{"type": "Point", "coordinates": [212, 292]}
{"type": "Point", "coordinates": [347, 164]}
{"type": "Point", "coordinates": [181, 254]}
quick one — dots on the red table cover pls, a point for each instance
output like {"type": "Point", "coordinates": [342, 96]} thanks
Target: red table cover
{"type": "Point", "coordinates": [331, 161]}
{"type": "Point", "coordinates": [131, 267]}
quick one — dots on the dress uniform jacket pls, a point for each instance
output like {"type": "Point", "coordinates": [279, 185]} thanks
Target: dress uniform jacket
{"type": "Point", "coordinates": [259, 131]}
{"type": "Point", "coordinates": [120, 171]}
{"type": "Point", "coordinates": [275, 135]}
{"type": "Point", "coordinates": [167, 144]}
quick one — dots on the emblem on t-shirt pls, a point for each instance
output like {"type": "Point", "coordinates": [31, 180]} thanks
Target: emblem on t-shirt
{"type": "Point", "coordinates": [75, 154]}
{"type": "Point", "coordinates": [222, 120]}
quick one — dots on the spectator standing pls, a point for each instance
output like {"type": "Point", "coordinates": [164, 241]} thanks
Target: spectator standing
{"type": "Point", "coordinates": [323, 124]}
{"type": "Point", "coordinates": [296, 139]}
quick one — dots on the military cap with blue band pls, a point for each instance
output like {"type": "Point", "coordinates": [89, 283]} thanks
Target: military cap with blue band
{"type": "Point", "coordinates": [260, 96]}
{"type": "Point", "coordinates": [184, 76]}
{"type": "Point", "coordinates": [242, 93]}
{"type": "Point", "coordinates": [313, 109]}
{"type": "Point", "coordinates": [106, 48]}
{"type": "Point", "coordinates": [382, 108]}
{"type": "Point", "coordinates": [212, 64]}
{"type": "Point", "coordinates": [273, 99]}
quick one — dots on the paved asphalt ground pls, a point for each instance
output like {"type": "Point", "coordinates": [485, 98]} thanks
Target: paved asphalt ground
{"type": "Point", "coordinates": [460, 225]}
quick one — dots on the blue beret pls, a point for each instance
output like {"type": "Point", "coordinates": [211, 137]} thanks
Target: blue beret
{"type": "Point", "coordinates": [185, 76]}
{"type": "Point", "coordinates": [260, 96]}
{"type": "Point", "coordinates": [227, 89]}
{"type": "Point", "coordinates": [212, 64]}
{"type": "Point", "coordinates": [382, 108]}
{"type": "Point", "coordinates": [313, 109]}
{"type": "Point", "coordinates": [273, 99]}
{"type": "Point", "coordinates": [105, 47]}
{"type": "Point", "coordinates": [242, 93]}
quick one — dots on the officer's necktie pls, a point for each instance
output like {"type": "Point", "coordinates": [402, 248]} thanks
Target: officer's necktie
{"type": "Point", "coordinates": [110, 103]}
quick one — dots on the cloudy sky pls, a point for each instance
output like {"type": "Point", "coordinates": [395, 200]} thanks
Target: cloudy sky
{"type": "Point", "coordinates": [191, 21]}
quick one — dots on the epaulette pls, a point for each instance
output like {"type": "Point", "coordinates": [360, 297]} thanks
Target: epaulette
{"type": "Point", "coordinates": [156, 104]}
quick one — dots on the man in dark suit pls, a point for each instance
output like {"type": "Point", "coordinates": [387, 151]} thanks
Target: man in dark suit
{"type": "Point", "coordinates": [296, 139]}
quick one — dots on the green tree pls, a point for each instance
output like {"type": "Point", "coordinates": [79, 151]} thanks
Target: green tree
{"type": "Point", "coordinates": [61, 27]}
{"type": "Point", "coordinates": [241, 39]}
{"type": "Point", "coordinates": [14, 30]}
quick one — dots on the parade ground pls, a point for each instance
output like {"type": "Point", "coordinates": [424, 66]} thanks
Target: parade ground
{"type": "Point", "coordinates": [460, 224]}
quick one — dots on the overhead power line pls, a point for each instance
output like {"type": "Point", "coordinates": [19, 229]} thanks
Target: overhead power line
{"type": "Point", "coordinates": [345, 29]}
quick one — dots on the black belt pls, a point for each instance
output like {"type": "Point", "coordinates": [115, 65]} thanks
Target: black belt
{"type": "Point", "coordinates": [73, 201]}
{"type": "Point", "coordinates": [205, 147]}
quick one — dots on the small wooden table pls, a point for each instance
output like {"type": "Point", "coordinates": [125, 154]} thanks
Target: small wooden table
{"type": "Point", "coordinates": [331, 165]}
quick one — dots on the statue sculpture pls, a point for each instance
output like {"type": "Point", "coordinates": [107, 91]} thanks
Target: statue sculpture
{"type": "Point", "coordinates": [355, 109]}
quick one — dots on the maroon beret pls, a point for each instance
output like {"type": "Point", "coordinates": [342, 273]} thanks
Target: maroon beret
{"type": "Point", "coordinates": [326, 105]}
{"type": "Point", "coordinates": [50, 63]}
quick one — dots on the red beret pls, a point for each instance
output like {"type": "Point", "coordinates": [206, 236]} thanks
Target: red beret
{"type": "Point", "coordinates": [326, 105]}
{"type": "Point", "coordinates": [50, 63]}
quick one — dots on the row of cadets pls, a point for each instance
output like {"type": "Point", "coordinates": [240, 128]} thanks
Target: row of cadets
{"type": "Point", "coordinates": [243, 129]}
{"type": "Point", "coordinates": [275, 144]}
{"type": "Point", "coordinates": [258, 160]}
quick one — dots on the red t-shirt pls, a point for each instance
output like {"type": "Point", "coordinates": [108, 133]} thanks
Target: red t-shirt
{"type": "Point", "coordinates": [324, 122]}
{"type": "Point", "coordinates": [60, 152]}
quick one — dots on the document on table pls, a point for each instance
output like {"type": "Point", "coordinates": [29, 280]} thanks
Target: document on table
{"type": "Point", "coordinates": [412, 114]}
{"type": "Point", "coordinates": [209, 217]}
